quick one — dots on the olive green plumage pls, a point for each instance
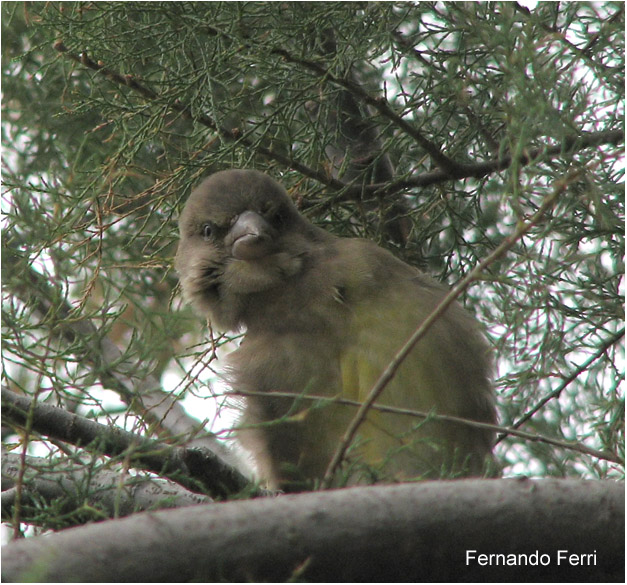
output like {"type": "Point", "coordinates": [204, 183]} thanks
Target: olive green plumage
{"type": "Point", "coordinates": [325, 315]}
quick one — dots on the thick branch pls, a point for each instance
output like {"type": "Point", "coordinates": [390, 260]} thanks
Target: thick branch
{"type": "Point", "coordinates": [74, 486]}
{"type": "Point", "coordinates": [430, 531]}
{"type": "Point", "coordinates": [482, 169]}
{"type": "Point", "coordinates": [195, 468]}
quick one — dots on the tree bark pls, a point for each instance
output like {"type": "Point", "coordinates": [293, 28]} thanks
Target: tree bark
{"type": "Point", "coordinates": [195, 468]}
{"type": "Point", "coordinates": [72, 487]}
{"type": "Point", "coordinates": [409, 532]}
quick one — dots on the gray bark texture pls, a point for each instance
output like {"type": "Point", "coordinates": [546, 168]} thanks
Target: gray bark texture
{"type": "Point", "coordinates": [409, 532]}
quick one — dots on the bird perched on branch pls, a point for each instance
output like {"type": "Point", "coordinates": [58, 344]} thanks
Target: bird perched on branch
{"type": "Point", "coordinates": [324, 316]}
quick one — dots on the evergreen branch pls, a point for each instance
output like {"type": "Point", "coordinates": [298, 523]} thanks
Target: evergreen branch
{"type": "Point", "coordinates": [573, 376]}
{"type": "Point", "coordinates": [479, 170]}
{"type": "Point", "coordinates": [452, 169]}
{"type": "Point", "coordinates": [234, 135]}
{"type": "Point", "coordinates": [449, 169]}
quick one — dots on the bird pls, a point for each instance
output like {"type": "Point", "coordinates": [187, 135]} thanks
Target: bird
{"type": "Point", "coordinates": [323, 316]}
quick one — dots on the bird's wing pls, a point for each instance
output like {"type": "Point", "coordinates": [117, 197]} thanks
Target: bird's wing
{"type": "Point", "coordinates": [447, 372]}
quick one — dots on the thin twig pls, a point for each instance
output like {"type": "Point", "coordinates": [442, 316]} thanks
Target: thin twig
{"type": "Point", "coordinates": [535, 437]}
{"type": "Point", "coordinates": [582, 368]}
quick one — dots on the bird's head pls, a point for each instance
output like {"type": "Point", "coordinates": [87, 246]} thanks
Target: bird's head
{"type": "Point", "coordinates": [240, 235]}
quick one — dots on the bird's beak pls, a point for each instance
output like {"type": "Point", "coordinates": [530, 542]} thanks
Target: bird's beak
{"type": "Point", "coordinates": [251, 237]}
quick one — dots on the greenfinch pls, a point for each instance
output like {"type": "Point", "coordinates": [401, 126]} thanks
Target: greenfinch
{"type": "Point", "coordinates": [324, 316]}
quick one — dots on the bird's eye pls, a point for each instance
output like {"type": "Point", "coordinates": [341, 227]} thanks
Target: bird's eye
{"type": "Point", "coordinates": [275, 215]}
{"type": "Point", "coordinates": [279, 217]}
{"type": "Point", "coordinates": [207, 231]}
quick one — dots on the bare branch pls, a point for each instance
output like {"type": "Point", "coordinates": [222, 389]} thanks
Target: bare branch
{"type": "Point", "coordinates": [74, 486]}
{"type": "Point", "coordinates": [429, 531]}
{"type": "Point", "coordinates": [195, 468]}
